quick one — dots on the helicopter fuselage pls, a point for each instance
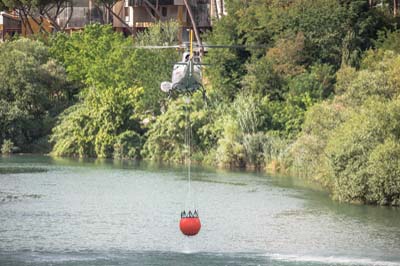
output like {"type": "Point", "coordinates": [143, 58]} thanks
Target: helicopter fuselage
{"type": "Point", "coordinates": [186, 76]}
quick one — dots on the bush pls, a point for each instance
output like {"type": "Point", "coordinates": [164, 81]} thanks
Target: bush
{"type": "Point", "coordinates": [384, 174]}
{"type": "Point", "coordinates": [127, 146]}
{"type": "Point", "coordinates": [368, 84]}
{"type": "Point", "coordinates": [262, 79]}
{"type": "Point", "coordinates": [230, 149]}
{"type": "Point", "coordinates": [243, 142]}
{"type": "Point", "coordinates": [167, 134]}
{"type": "Point", "coordinates": [106, 66]}
{"type": "Point", "coordinates": [92, 127]}
{"type": "Point", "coordinates": [350, 146]}
{"type": "Point", "coordinates": [7, 147]}
{"type": "Point", "coordinates": [33, 91]}
{"type": "Point", "coordinates": [306, 156]}
{"type": "Point", "coordinates": [343, 140]}
{"type": "Point", "coordinates": [254, 148]}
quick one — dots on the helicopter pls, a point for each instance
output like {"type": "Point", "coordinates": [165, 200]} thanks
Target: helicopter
{"type": "Point", "coordinates": [187, 74]}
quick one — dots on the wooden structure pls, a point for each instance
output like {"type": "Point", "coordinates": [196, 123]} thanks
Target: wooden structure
{"type": "Point", "coordinates": [81, 13]}
{"type": "Point", "coordinates": [141, 14]}
{"type": "Point", "coordinates": [127, 16]}
{"type": "Point", "coordinates": [9, 26]}
{"type": "Point", "coordinates": [217, 9]}
{"type": "Point", "coordinates": [34, 26]}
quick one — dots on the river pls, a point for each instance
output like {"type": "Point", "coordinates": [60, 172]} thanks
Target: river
{"type": "Point", "coordinates": [98, 212]}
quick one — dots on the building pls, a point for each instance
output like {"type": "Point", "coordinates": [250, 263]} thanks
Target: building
{"type": "Point", "coordinates": [9, 26]}
{"type": "Point", "coordinates": [217, 9]}
{"type": "Point", "coordinates": [81, 13]}
{"type": "Point", "coordinates": [33, 26]}
{"type": "Point", "coordinates": [141, 14]}
{"type": "Point", "coordinates": [128, 16]}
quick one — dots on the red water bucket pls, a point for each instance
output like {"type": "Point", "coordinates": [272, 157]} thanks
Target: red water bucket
{"type": "Point", "coordinates": [190, 226]}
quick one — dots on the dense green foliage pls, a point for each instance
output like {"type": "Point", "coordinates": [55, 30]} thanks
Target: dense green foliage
{"type": "Point", "coordinates": [295, 49]}
{"type": "Point", "coordinates": [95, 57]}
{"type": "Point", "coordinates": [33, 91]}
{"type": "Point", "coordinates": [313, 92]}
{"type": "Point", "coordinates": [306, 104]}
{"type": "Point", "coordinates": [104, 118]}
{"type": "Point", "coordinates": [118, 90]}
{"type": "Point", "coordinates": [7, 147]}
{"type": "Point", "coordinates": [114, 63]}
{"type": "Point", "coordinates": [349, 143]}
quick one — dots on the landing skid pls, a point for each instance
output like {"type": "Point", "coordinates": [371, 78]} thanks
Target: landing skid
{"type": "Point", "coordinates": [173, 92]}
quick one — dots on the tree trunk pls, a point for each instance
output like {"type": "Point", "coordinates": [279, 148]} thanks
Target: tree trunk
{"type": "Point", "coordinates": [395, 4]}
{"type": "Point", "coordinates": [196, 32]}
{"type": "Point", "coordinates": [56, 9]}
{"type": "Point", "coordinates": [109, 8]}
{"type": "Point", "coordinates": [40, 23]}
{"type": "Point", "coordinates": [69, 17]}
{"type": "Point", "coordinates": [216, 9]}
{"type": "Point", "coordinates": [27, 23]}
{"type": "Point", "coordinates": [154, 8]}
{"type": "Point", "coordinates": [149, 12]}
{"type": "Point", "coordinates": [22, 18]}
{"type": "Point", "coordinates": [52, 21]}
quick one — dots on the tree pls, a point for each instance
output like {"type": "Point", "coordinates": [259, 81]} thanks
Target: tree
{"type": "Point", "coordinates": [33, 90]}
{"type": "Point", "coordinates": [155, 66]}
{"type": "Point", "coordinates": [226, 66]}
{"type": "Point", "coordinates": [51, 10]}
{"type": "Point", "coordinates": [352, 150]}
{"type": "Point", "coordinates": [99, 124]}
{"type": "Point", "coordinates": [109, 65]}
{"type": "Point", "coordinates": [166, 135]}
{"type": "Point", "coordinates": [349, 143]}
{"type": "Point", "coordinates": [384, 174]}
{"type": "Point", "coordinates": [116, 63]}
{"type": "Point", "coordinates": [38, 11]}
{"type": "Point", "coordinates": [120, 89]}
{"type": "Point", "coordinates": [2, 6]}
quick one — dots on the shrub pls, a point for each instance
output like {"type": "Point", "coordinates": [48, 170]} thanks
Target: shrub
{"type": "Point", "coordinates": [384, 174]}
{"type": "Point", "coordinates": [349, 147]}
{"type": "Point", "coordinates": [7, 147]}
{"type": "Point", "coordinates": [33, 91]}
{"type": "Point", "coordinates": [127, 146]}
{"type": "Point", "coordinates": [254, 148]}
{"type": "Point", "coordinates": [92, 127]}
{"type": "Point", "coordinates": [230, 149]}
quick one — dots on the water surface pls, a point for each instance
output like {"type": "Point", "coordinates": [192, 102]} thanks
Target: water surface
{"type": "Point", "coordinates": [71, 212]}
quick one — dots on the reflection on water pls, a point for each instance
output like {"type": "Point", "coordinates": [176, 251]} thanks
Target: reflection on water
{"type": "Point", "coordinates": [7, 197]}
{"type": "Point", "coordinates": [104, 212]}
{"type": "Point", "coordinates": [161, 258]}
{"type": "Point", "coordinates": [17, 170]}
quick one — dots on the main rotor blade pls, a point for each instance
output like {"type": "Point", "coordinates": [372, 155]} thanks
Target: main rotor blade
{"type": "Point", "coordinates": [156, 47]}
{"type": "Point", "coordinates": [234, 46]}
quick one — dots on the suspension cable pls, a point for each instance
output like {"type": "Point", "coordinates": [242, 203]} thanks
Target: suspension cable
{"type": "Point", "coordinates": [188, 138]}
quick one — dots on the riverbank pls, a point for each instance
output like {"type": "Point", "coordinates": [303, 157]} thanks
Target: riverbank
{"type": "Point", "coordinates": [317, 102]}
{"type": "Point", "coordinates": [264, 171]}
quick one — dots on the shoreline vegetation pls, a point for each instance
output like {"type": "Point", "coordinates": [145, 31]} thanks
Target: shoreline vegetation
{"type": "Point", "coordinates": [321, 101]}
